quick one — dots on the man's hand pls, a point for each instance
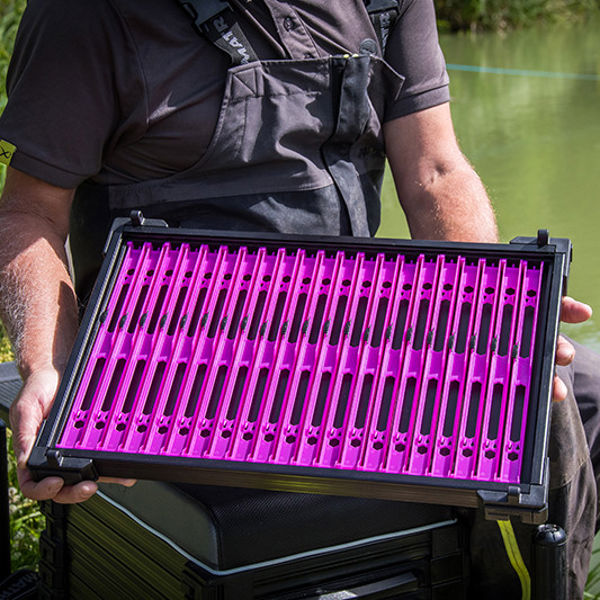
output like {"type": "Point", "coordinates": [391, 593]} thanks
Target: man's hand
{"type": "Point", "coordinates": [26, 415]}
{"type": "Point", "coordinates": [39, 309]}
{"type": "Point", "coordinates": [572, 311]}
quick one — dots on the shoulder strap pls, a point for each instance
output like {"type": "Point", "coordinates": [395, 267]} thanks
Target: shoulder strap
{"type": "Point", "coordinates": [383, 15]}
{"type": "Point", "coordinates": [215, 20]}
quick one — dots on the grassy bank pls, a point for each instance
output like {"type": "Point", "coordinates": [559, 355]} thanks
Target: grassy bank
{"type": "Point", "coordinates": [499, 15]}
{"type": "Point", "coordinates": [10, 15]}
{"type": "Point", "coordinates": [26, 521]}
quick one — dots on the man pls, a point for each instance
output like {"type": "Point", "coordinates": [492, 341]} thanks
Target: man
{"type": "Point", "coordinates": [121, 104]}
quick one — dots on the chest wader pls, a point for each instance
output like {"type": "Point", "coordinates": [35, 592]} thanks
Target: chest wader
{"type": "Point", "coordinates": [297, 148]}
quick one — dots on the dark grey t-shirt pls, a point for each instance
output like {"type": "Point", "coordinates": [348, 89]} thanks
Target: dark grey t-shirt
{"type": "Point", "coordinates": [122, 91]}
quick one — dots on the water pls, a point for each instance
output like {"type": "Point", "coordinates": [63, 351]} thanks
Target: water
{"type": "Point", "coordinates": [526, 109]}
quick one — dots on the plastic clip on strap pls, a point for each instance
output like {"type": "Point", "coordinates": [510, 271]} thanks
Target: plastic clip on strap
{"type": "Point", "coordinates": [215, 20]}
{"type": "Point", "coordinates": [383, 15]}
{"type": "Point", "coordinates": [516, 560]}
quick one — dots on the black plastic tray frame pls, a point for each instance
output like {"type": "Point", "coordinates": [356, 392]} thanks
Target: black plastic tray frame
{"type": "Point", "coordinates": [527, 500]}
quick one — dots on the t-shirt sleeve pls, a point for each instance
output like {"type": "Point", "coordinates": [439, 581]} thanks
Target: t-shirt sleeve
{"type": "Point", "coordinates": [413, 51]}
{"type": "Point", "coordinates": [62, 100]}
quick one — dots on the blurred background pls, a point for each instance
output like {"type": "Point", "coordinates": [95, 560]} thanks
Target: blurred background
{"type": "Point", "coordinates": [526, 108]}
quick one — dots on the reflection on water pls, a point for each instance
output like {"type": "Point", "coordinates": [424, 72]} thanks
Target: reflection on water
{"type": "Point", "coordinates": [534, 139]}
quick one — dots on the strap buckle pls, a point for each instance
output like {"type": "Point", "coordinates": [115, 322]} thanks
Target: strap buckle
{"type": "Point", "coordinates": [376, 6]}
{"type": "Point", "coordinates": [203, 10]}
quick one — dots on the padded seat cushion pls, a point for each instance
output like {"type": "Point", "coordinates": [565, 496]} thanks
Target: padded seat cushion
{"type": "Point", "coordinates": [231, 527]}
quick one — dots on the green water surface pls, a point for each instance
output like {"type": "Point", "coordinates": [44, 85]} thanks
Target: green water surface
{"type": "Point", "coordinates": [526, 108]}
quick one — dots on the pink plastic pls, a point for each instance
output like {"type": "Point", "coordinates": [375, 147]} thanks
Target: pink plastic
{"type": "Point", "coordinates": [394, 364]}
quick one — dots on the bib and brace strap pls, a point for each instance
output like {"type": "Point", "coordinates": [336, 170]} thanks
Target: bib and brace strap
{"type": "Point", "coordinates": [215, 20]}
{"type": "Point", "coordinates": [383, 15]}
{"type": "Point", "coordinates": [355, 177]}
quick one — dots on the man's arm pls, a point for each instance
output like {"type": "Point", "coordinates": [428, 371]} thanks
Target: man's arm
{"type": "Point", "coordinates": [444, 199]}
{"type": "Point", "coordinates": [442, 196]}
{"type": "Point", "coordinates": [37, 299]}
{"type": "Point", "coordinates": [39, 309]}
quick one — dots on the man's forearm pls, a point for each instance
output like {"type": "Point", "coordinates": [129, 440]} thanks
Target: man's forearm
{"type": "Point", "coordinates": [451, 205]}
{"type": "Point", "coordinates": [442, 196]}
{"type": "Point", "coordinates": [37, 303]}
{"type": "Point", "coordinates": [39, 308]}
